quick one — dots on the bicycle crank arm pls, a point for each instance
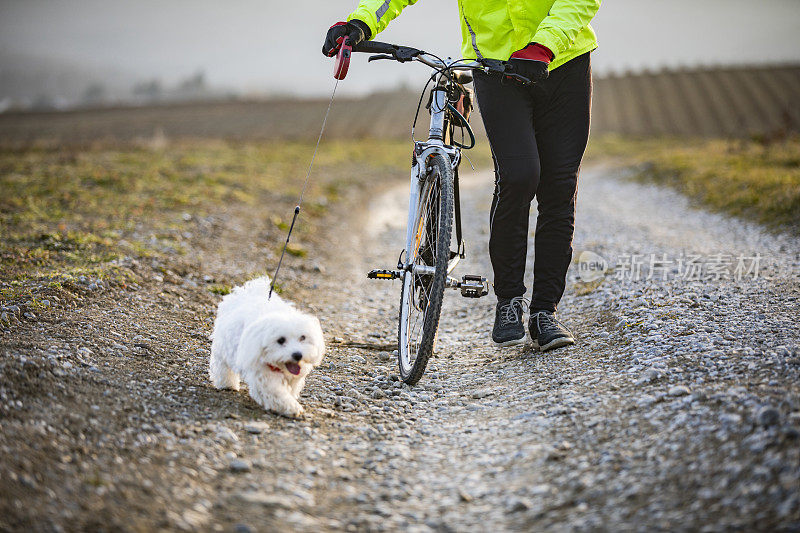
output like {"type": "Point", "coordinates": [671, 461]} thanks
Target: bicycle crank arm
{"type": "Point", "coordinates": [471, 286]}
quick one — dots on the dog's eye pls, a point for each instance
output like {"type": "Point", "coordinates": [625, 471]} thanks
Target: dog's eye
{"type": "Point", "coordinates": [282, 340]}
{"type": "Point", "coordinates": [302, 338]}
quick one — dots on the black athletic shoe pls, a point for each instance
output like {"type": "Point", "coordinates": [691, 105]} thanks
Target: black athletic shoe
{"type": "Point", "coordinates": [547, 332]}
{"type": "Point", "coordinates": [508, 328]}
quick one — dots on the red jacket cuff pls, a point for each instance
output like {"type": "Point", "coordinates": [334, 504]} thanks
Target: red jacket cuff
{"type": "Point", "coordinates": [535, 52]}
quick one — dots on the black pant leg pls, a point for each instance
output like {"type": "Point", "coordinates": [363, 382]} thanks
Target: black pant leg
{"type": "Point", "coordinates": [507, 112]}
{"type": "Point", "coordinates": [561, 116]}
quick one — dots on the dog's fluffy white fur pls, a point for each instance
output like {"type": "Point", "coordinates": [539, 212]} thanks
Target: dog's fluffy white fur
{"type": "Point", "coordinates": [267, 343]}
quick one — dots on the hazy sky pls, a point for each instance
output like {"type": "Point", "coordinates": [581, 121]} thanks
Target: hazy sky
{"type": "Point", "coordinates": [274, 46]}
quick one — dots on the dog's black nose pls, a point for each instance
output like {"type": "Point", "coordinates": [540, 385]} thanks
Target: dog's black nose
{"type": "Point", "coordinates": [297, 356]}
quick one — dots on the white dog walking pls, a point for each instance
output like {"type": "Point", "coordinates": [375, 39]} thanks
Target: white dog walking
{"type": "Point", "coordinates": [268, 343]}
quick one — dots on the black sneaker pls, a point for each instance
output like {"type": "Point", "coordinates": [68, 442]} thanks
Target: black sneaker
{"type": "Point", "coordinates": [547, 332]}
{"type": "Point", "coordinates": [508, 328]}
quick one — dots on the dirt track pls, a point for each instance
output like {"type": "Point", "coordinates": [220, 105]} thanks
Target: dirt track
{"type": "Point", "coordinates": [678, 408]}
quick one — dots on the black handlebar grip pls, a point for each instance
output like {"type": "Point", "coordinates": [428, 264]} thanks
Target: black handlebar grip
{"type": "Point", "coordinates": [375, 47]}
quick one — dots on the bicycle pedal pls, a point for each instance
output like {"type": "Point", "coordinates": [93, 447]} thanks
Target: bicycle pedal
{"type": "Point", "coordinates": [473, 286]}
{"type": "Point", "coordinates": [380, 273]}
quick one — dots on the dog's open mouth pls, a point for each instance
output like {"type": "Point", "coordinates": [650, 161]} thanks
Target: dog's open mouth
{"type": "Point", "coordinates": [293, 368]}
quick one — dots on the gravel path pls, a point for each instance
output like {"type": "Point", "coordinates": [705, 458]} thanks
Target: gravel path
{"type": "Point", "coordinates": [678, 408]}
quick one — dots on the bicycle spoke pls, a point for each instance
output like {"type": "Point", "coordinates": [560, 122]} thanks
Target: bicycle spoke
{"type": "Point", "coordinates": [421, 284]}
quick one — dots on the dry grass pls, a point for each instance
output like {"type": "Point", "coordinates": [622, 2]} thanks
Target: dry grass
{"type": "Point", "coordinates": [760, 181]}
{"type": "Point", "coordinates": [69, 214]}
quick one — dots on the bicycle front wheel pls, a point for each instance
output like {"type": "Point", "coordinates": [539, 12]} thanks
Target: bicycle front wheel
{"type": "Point", "coordinates": [423, 287]}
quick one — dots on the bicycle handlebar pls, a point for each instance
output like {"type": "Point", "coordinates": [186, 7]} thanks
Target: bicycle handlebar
{"type": "Point", "coordinates": [375, 47]}
{"type": "Point", "coordinates": [407, 53]}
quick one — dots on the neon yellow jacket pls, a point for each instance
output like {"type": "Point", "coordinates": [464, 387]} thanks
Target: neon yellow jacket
{"type": "Point", "coordinates": [495, 29]}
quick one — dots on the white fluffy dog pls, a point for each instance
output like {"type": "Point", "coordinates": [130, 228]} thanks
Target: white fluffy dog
{"type": "Point", "coordinates": [268, 343]}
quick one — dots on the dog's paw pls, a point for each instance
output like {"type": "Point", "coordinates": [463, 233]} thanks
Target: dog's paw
{"type": "Point", "coordinates": [299, 412]}
{"type": "Point", "coordinates": [292, 411]}
{"type": "Point", "coordinates": [228, 386]}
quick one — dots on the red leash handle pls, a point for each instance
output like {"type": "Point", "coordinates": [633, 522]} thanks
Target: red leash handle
{"type": "Point", "coordinates": [342, 60]}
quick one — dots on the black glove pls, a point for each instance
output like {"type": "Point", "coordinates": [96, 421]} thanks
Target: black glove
{"type": "Point", "coordinates": [530, 68]}
{"type": "Point", "coordinates": [531, 62]}
{"type": "Point", "coordinates": [355, 31]}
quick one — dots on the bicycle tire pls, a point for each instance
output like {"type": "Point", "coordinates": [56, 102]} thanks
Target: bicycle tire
{"type": "Point", "coordinates": [439, 182]}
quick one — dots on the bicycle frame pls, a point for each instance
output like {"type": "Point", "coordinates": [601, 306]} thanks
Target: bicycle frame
{"type": "Point", "coordinates": [424, 149]}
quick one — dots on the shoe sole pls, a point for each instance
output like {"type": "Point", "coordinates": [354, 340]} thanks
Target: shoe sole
{"type": "Point", "coordinates": [553, 344]}
{"type": "Point", "coordinates": [512, 342]}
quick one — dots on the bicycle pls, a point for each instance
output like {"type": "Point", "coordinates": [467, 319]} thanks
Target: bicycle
{"type": "Point", "coordinates": [426, 262]}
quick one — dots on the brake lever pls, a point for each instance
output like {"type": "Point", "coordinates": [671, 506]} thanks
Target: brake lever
{"type": "Point", "coordinates": [495, 66]}
{"type": "Point", "coordinates": [379, 56]}
{"type": "Point", "coordinates": [520, 78]}
{"type": "Point", "coordinates": [406, 53]}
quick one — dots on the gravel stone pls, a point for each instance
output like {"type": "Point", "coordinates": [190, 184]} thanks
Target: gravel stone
{"type": "Point", "coordinates": [256, 428]}
{"type": "Point", "coordinates": [240, 465]}
{"type": "Point", "coordinates": [678, 390]}
{"type": "Point", "coordinates": [768, 416]}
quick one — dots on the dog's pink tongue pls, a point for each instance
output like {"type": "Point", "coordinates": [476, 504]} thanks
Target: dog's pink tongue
{"type": "Point", "coordinates": [293, 368]}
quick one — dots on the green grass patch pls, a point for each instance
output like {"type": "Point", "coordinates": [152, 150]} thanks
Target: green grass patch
{"type": "Point", "coordinates": [219, 289]}
{"type": "Point", "coordinates": [296, 250]}
{"type": "Point", "coordinates": [759, 181]}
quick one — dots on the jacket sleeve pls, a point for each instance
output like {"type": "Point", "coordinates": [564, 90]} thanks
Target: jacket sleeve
{"type": "Point", "coordinates": [378, 13]}
{"type": "Point", "coordinates": [566, 18]}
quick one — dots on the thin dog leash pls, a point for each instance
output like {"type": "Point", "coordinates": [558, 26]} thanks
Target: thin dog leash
{"type": "Point", "coordinates": [302, 193]}
{"type": "Point", "coordinates": [339, 72]}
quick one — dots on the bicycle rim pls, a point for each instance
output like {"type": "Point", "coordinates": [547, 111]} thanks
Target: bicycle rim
{"type": "Point", "coordinates": [421, 295]}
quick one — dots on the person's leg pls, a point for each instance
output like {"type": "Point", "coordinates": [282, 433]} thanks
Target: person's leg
{"type": "Point", "coordinates": [561, 115]}
{"type": "Point", "coordinates": [507, 112]}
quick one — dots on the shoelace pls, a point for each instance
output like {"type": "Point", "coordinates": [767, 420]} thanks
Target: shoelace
{"type": "Point", "coordinates": [549, 319]}
{"type": "Point", "coordinates": [509, 313]}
